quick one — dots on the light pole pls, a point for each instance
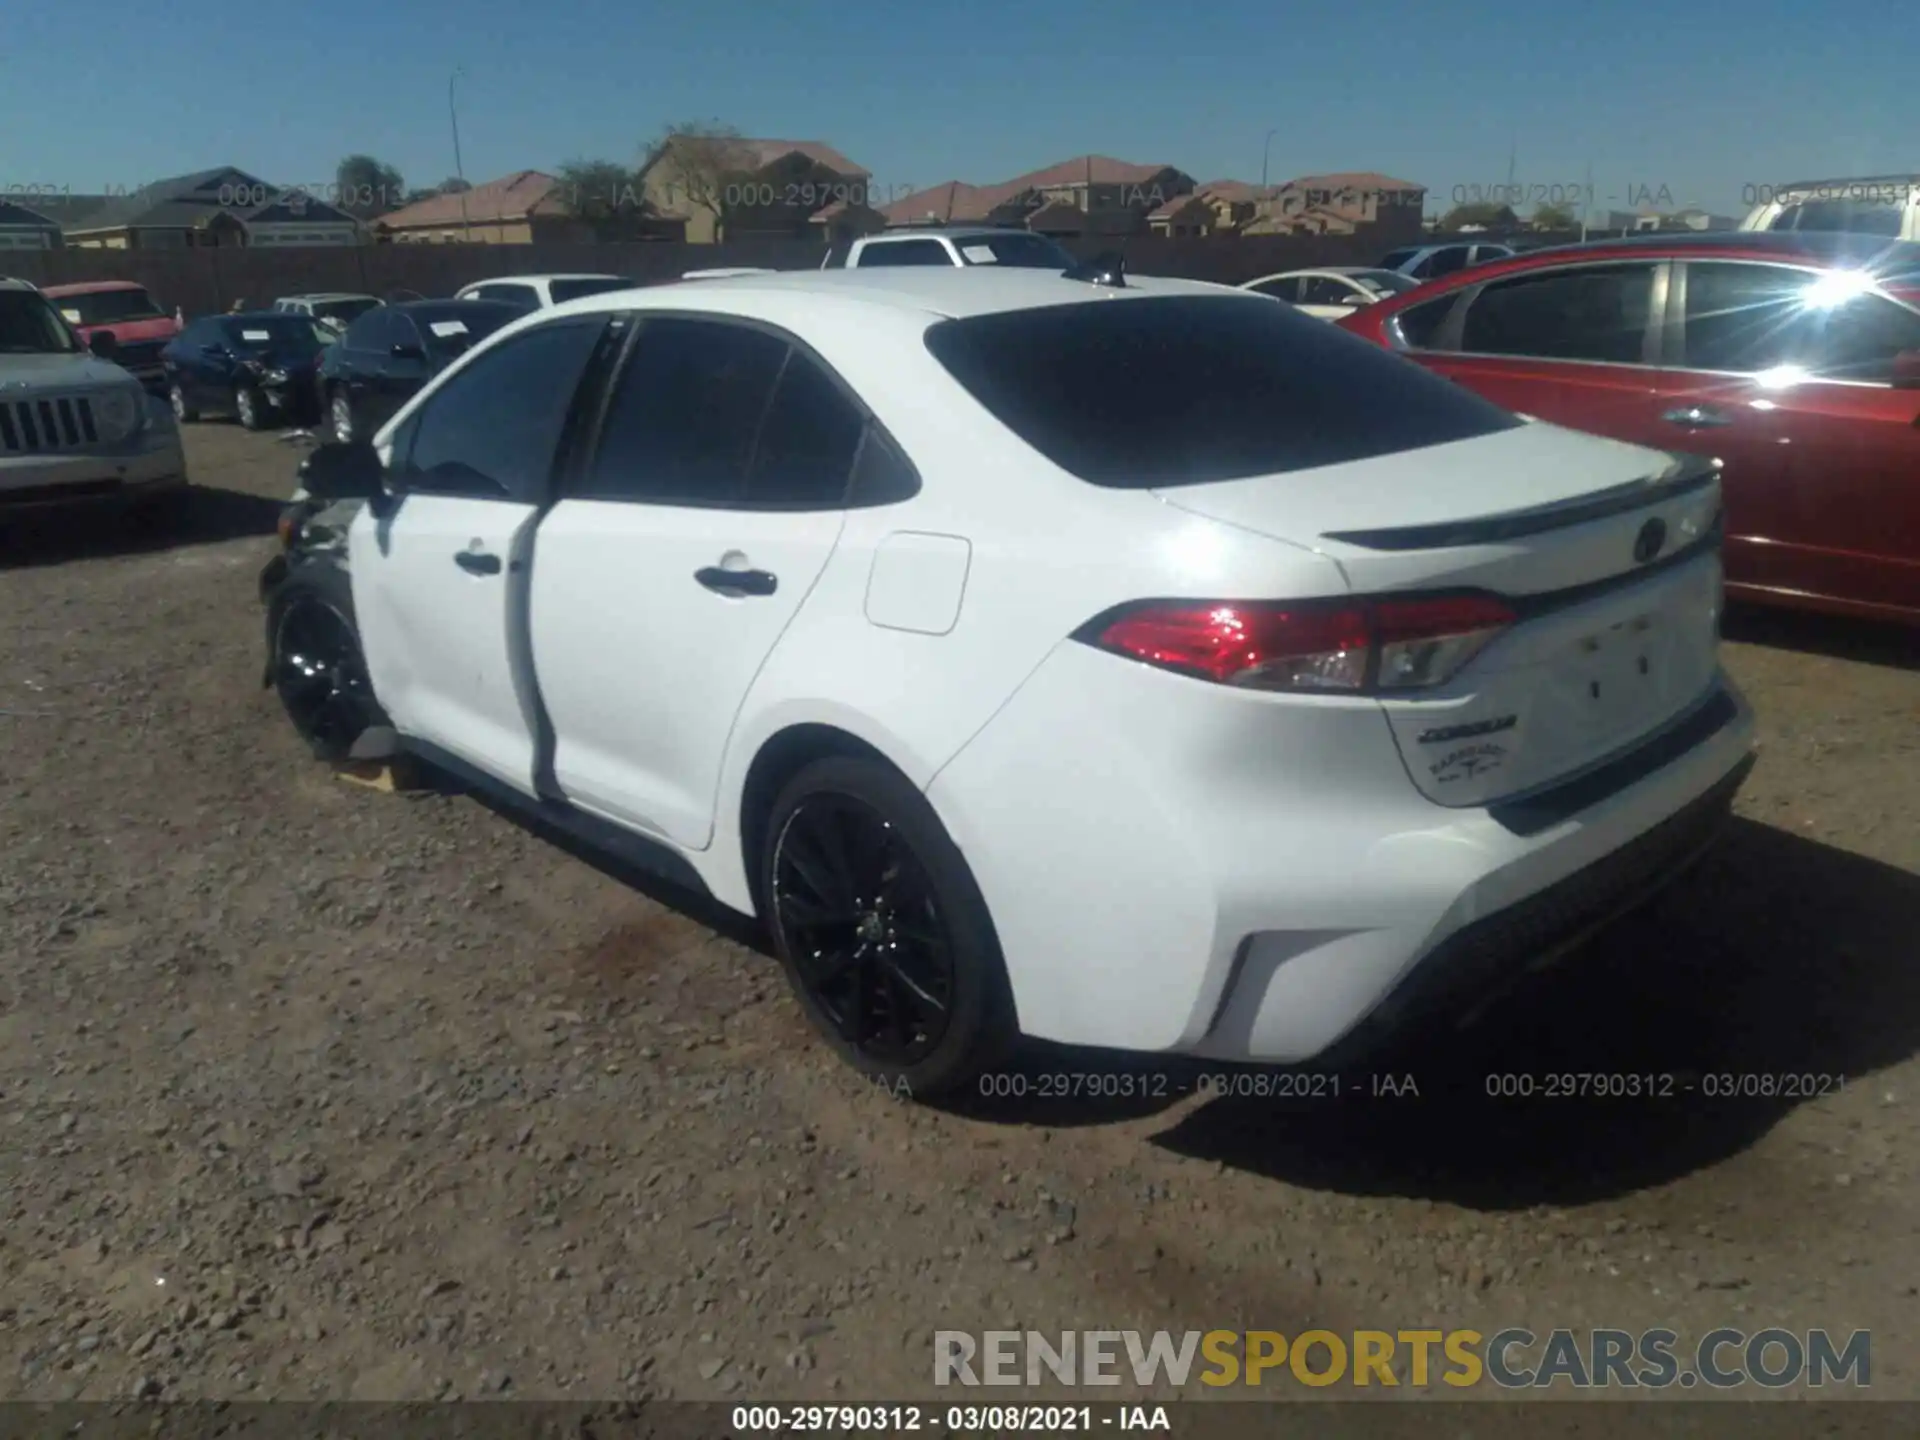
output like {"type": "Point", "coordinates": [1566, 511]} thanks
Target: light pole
{"type": "Point", "coordinates": [459, 170]}
{"type": "Point", "coordinates": [1264, 149]}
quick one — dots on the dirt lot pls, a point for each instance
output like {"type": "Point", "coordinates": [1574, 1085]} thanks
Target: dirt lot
{"type": "Point", "coordinates": [311, 1091]}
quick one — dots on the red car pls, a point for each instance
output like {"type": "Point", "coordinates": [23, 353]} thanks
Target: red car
{"type": "Point", "coordinates": [1793, 358]}
{"type": "Point", "coordinates": [124, 310]}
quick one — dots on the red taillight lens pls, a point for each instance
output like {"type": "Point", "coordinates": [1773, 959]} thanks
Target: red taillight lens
{"type": "Point", "coordinates": [1390, 644]}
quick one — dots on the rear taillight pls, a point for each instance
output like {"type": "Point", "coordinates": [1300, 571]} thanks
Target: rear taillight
{"type": "Point", "coordinates": [1350, 646]}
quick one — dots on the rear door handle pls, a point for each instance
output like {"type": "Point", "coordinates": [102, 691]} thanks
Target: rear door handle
{"type": "Point", "coordinates": [737, 582]}
{"type": "Point", "coordinates": [1697, 416]}
{"type": "Point", "coordinates": [477, 562]}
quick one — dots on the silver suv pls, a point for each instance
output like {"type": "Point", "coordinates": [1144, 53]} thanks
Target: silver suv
{"type": "Point", "coordinates": [73, 425]}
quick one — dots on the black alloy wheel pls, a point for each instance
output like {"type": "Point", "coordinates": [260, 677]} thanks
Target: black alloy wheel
{"type": "Point", "coordinates": [864, 928]}
{"type": "Point", "coordinates": [882, 930]}
{"type": "Point", "coordinates": [321, 677]}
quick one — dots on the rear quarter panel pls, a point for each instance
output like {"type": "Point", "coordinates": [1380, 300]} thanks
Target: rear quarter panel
{"type": "Point", "coordinates": [1048, 552]}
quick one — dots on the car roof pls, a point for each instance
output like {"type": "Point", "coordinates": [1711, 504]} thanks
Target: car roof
{"type": "Point", "coordinates": [1829, 245]}
{"type": "Point", "coordinates": [949, 292]}
{"type": "Point", "coordinates": [86, 287]}
{"type": "Point", "coordinates": [951, 232]}
{"type": "Point", "coordinates": [7, 282]}
{"type": "Point", "coordinates": [244, 316]}
{"type": "Point", "coordinates": [524, 279]}
{"type": "Point", "coordinates": [332, 295]}
{"type": "Point", "coordinates": [456, 306]}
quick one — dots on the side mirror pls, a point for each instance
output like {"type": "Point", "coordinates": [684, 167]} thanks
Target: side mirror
{"type": "Point", "coordinates": [1906, 370]}
{"type": "Point", "coordinates": [343, 470]}
{"type": "Point", "coordinates": [103, 344]}
{"type": "Point", "coordinates": [408, 352]}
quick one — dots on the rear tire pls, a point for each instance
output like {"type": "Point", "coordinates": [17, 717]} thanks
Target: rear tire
{"type": "Point", "coordinates": [882, 930]}
{"type": "Point", "coordinates": [314, 661]}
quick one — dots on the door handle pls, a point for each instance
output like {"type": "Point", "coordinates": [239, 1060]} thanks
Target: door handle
{"type": "Point", "coordinates": [737, 582]}
{"type": "Point", "coordinates": [1697, 416]}
{"type": "Point", "coordinates": [477, 562]}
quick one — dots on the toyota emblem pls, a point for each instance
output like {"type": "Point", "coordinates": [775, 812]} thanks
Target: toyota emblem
{"type": "Point", "coordinates": [1652, 536]}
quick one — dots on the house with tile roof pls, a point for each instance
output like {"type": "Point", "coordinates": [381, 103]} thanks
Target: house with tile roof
{"type": "Point", "coordinates": [1085, 196]}
{"type": "Point", "coordinates": [528, 207]}
{"type": "Point", "coordinates": [220, 207]}
{"type": "Point", "coordinates": [22, 228]}
{"type": "Point", "coordinates": [733, 187]}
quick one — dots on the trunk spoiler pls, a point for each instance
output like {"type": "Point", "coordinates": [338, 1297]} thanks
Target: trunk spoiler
{"type": "Point", "coordinates": [1687, 474]}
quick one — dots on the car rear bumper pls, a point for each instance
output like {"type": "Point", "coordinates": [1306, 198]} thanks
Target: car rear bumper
{"type": "Point", "coordinates": [1243, 878]}
{"type": "Point", "coordinates": [44, 481]}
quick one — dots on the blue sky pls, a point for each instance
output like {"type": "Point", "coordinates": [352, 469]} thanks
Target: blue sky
{"type": "Point", "coordinates": [1699, 100]}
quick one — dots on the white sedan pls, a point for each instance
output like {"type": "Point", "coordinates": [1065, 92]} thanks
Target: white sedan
{"type": "Point", "coordinates": [1133, 665]}
{"type": "Point", "coordinates": [1329, 293]}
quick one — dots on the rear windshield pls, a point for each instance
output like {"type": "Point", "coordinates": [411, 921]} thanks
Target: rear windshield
{"type": "Point", "coordinates": [565, 290]}
{"type": "Point", "coordinates": [1018, 249]}
{"type": "Point", "coordinates": [1186, 390]}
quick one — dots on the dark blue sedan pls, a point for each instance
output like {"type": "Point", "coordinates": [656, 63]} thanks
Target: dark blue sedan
{"type": "Point", "coordinates": [258, 367]}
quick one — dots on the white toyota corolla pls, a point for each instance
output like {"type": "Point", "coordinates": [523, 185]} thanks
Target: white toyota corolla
{"type": "Point", "coordinates": [1116, 661]}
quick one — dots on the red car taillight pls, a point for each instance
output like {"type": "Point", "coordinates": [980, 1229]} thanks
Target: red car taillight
{"type": "Point", "coordinates": [1343, 646]}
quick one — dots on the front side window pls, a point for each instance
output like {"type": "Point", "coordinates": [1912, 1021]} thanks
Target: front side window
{"type": "Point", "coordinates": [373, 331]}
{"type": "Point", "coordinates": [1596, 313]}
{"type": "Point", "coordinates": [1188, 390]}
{"type": "Point", "coordinates": [905, 252]}
{"type": "Point", "coordinates": [493, 429]}
{"type": "Point", "coordinates": [1325, 290]}
{"type": "Point", "coordinates": [684, 414]}
{"type": "Point", "coordinates": [1751, 319]}
{"type": "Point", "coordinates": [1443, 262]}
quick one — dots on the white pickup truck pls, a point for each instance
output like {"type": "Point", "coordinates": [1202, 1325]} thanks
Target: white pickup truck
{"type": "Point", "coordinates": [951, 245]}
{"type": "Point", "coordinates": [1885, 205]}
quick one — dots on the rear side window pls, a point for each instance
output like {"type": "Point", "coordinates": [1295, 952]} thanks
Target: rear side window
{"type": "Point", "coordinates": [804, 457]}
{"type": "Point", "coordinates": [1186, 390]}
{"type": "Point", "coordinates": [684, 414]}
{"type": "Point", "coordinates": [1598, 314]}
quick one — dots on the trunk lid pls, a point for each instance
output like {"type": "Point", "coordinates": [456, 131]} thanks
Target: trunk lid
{"type": "Point", "coordinates": [1608, 553]}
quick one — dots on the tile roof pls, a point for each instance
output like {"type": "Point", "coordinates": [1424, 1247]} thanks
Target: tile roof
{"type": "Point", "coordinates": [1100, 169]}
{"type": "Point", "coordinates": [954, 201]}
{"type": "Point", "coordinates": [1352, 180]}
{"type": "Point", "coordinates": [12, 214]}
{"type": "Point", "coordinates": [190, 201]}
{"type": "Point", "coordinates": [767, 151]}
{"type": "Point", "coordinates": [511, 197]}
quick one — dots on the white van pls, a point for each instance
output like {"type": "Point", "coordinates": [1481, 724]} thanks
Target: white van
{"type": "Point", "coordinates": [1886, 205]}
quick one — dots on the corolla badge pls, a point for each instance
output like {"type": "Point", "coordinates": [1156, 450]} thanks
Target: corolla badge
{"type": "Point", "coordinates": [1648, 543]}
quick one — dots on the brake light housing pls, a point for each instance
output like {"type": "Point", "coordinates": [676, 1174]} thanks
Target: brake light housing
{"type": "Point", "coordinates": [1389, 644]}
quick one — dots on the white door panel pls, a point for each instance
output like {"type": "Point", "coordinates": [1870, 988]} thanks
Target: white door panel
{"type": "Point", "coordinates": [436, 584]}
{"type": "Point", "coordinates": [641, 666]}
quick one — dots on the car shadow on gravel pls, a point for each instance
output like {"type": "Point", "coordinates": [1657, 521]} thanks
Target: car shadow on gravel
{"type": "Point", "coordinates": [206, 516]}
{"type": "Point", "coordinates": [1895, 647]}
{"type": "Point", "coordinates": [1779, 965]}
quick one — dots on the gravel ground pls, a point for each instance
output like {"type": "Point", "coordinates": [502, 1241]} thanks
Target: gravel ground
{"type": "Point", "coordinates": [312, 1091]}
